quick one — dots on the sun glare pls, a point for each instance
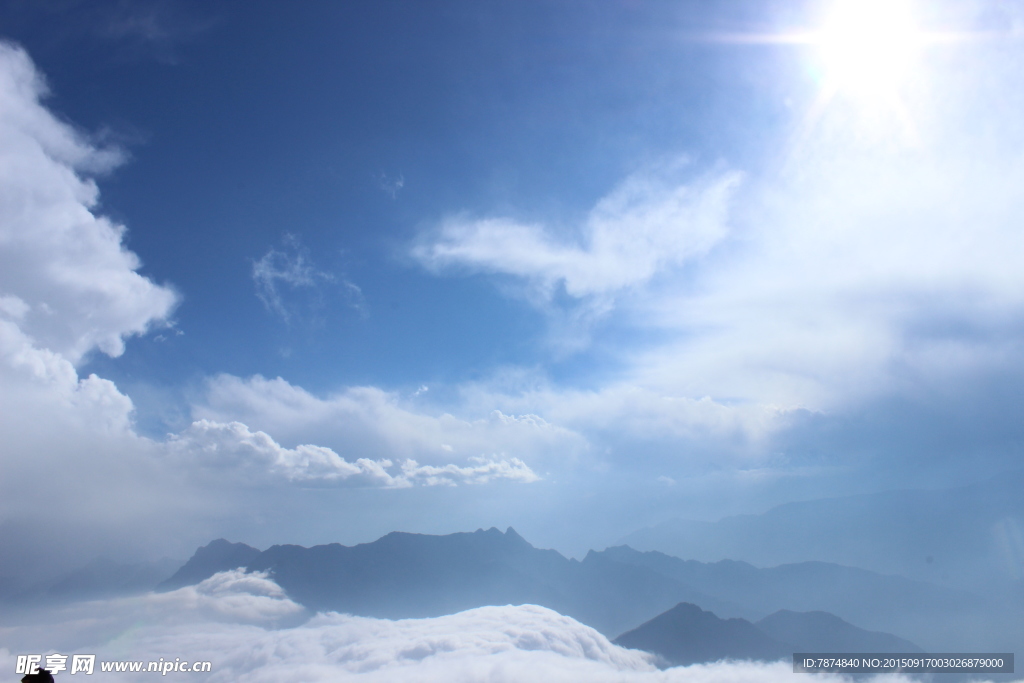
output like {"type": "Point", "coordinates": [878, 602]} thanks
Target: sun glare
{"type": "Point", "coordinates": [869, 46]}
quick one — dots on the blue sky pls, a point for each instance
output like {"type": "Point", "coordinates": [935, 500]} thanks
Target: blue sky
{"type": "Point", "coordinates": [574, 268]}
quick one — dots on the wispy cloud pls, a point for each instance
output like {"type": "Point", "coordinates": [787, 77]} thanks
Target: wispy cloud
{"type": "Point", "coordinates": [282, 275]}
{"type": "Point", "coordinates": [644, 226]}
{"type": "Point", "coordinates": [154, 28]}
{"type": "Point", "coordinates": [653, 224]}
{"type": "Point", "coordinates": [858, 267]}
{"type": "Point", "coordinates": [391, 185]}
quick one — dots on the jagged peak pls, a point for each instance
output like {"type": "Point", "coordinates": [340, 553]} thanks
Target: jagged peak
{"type": "Point", "coordinates": [220, 544]}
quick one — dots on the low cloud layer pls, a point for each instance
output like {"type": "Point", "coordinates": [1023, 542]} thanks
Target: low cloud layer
{"type": "Point", "coordinates": [251, 632]}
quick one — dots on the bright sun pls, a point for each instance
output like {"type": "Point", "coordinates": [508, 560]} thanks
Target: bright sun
{"type": "Point", "coordinates": [869, 47]}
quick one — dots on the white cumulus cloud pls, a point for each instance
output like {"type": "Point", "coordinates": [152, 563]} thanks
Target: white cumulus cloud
{"type": "Point", "coordinates": [66, 279]}
{"type": "Point", "coordinates": [76, 479]}
{"type": "Point", "coordinates": [375, 423]}
{"type": "Point", "coordinates": [68, 287]}
{"type": "Point", "coordinates": [233, 450]}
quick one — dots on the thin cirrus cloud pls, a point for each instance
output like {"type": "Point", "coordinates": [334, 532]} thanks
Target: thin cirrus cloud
{"type": "Point", "coordinates": [391, 185]}
{"type": "Point", "coordinates": [289, 284]}
{"type": "Point", "coordinates": [629, 410]}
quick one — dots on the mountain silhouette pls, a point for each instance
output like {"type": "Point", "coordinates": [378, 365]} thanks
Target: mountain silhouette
{"type": "Point", "coordinates": [955, 537]}
{"type": "Point", "coordinates": [403, 575]}
{"type": "Point", "coordinates": [824, 632]}
{"type": "Point", "coordinates": [216, 556]}
{"type": "Point", "coordinates": [935, 615]}
{"type": "Point", "coordinates": [686, 634]}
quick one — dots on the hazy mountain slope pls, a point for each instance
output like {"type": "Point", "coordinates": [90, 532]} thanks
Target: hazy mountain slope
{"type": "Point", "coordinates": [824, 632]}
{"type": "Point", "coordinates": [967, 536]}
{"type": "Point", "coordinates": [216, 556]}
{"type": "Point", "coordinates": [614, 596]}
{"type": "Point", "coordinates": [413, 575]}
{"type": "Point", "coordinates": [804, 586]}
{"type": "Point", "coordinates": [931, 615]}
{"type": "Point", "coordinates": [686, 634]}
{"type": "Point", "coordinates": [101, 578]}
{"type": "Point", "coordinates": [410, 575]}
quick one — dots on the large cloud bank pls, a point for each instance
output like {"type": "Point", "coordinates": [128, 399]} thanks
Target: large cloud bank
{"type": "Point", "coordinates": [75, 475]}
{"type": "Point", "coordinates": [68, 287]}
{"type": "Point", "coordinates": [251, 632]}
{"type": "Point", "coordinates": [68, 284]}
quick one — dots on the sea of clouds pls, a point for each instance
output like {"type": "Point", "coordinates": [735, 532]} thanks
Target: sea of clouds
{"type": "Point", "coordinates": [247, 627]}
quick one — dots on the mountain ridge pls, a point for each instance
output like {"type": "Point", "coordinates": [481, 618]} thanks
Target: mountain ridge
{"type": "Point", "coordinates": [686, 634]}
{"type": "Point", "coordinates": [403, 575]}
{"type": "Point", "coordinates": [962, 544]}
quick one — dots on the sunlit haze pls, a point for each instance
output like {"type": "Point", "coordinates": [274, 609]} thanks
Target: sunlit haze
{"type": "Point", "coordinates": [455, 340]}
{"type": "Point", "coordinates": [869, 46]}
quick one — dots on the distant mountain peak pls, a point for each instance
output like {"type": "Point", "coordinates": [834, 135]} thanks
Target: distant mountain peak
{"type": "Point", "coordinates": [216, 556]}
{"type": "Point", "coordinates": [686, 634]}
{"type": "Point", "coordinates": [409, 575]}
{"type": "Point", "coordinates": [512, 537]}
